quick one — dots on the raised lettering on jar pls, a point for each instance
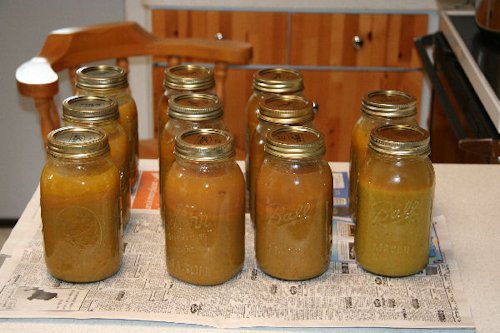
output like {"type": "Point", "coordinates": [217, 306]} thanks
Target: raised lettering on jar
{"type": "Point", "coordinates": [293, 205]}
{"type": "Point", "coordinates": [396, 190]}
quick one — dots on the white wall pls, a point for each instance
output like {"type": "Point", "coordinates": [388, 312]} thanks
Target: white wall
{"type": "Point", "coordinates": [24, 25]}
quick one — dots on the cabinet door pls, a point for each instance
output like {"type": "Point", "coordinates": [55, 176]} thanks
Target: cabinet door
{"type": "Point", "coordinates": [266, 32]}
{"type": "Point", "coordinates": [339, 95]}
{"type": "Point", "coordinates": [327, 39]}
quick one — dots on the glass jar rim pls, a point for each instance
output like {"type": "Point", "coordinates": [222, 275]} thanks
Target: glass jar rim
{"type": "Point", "coordinates": [205, 145]}
{"type": "Point", "coordinates": [389, 104]}
{"type": "Point", "coordinates": [90, 109]}
{"type": "Point", "coordinates": [101, 77]}
{"type": "Point", "coordinates": [400, 140]}
{"type": "Point", "coordinates": [77, 143]}
{"type": "Point", "coordinates": [278, 80]}
{"type": "Point", "coordinates": [295, 142]}
{"type": "Point", "coordinates": [285, 109]}
{"type": "Point", "coordinates": [188, 77]}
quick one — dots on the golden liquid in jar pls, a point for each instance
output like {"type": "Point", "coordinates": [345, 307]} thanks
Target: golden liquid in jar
{"type": "Point", "coordinates": [127, 109]}
{"type": "Point", "coordinates": [293, 221]}
{"type": "Point", "coordinates": [393, 219]}
{"type": "Point", "coordinates": [254, 164]}
{"type": "Point", "coordinates": [129, 121]}
{"type": "Point", "coordinates": [359, 147]}
{"type": "Point", "coordinates": [167, 144]}
{"type": "Point", "coordinates": [81, 222]}
{"type": "Point", "coordinates": [252, 120]}
{"type": "Point", "coordinates": [120, 155]}
{"type": "Point", "coordinates": [205, 224]}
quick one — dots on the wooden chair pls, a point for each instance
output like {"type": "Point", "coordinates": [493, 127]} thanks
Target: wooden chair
{"type": "Point", "coordinates": [70, 48]}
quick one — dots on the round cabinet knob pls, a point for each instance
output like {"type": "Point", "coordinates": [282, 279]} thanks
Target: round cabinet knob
{"type": "Point", "coordinates": [219, 36]}
{"type": "Point", "coordinates": [315, 107]}
{"type": "Point", "coordinates": [357, 42]}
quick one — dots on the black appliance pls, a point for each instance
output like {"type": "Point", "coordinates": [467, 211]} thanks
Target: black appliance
{"type": "Point", "coordinates": [465, 75]}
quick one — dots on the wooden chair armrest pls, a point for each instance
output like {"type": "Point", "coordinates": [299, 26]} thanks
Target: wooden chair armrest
{"type": "Point", "coordinates": [36, 78]}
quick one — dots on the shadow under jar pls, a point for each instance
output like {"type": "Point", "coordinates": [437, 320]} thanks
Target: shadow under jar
{"type": "Point", "coordinates": [204, 209]}
{"type": "Point", "coordinates": [80, 206]}
{"type": "Point", "coordinates": [396, 191]}
{"type": "Point", "coordinates": [294, 199]}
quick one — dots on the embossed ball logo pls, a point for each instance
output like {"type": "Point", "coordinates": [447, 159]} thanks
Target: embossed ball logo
{"type": "Point", "coordinates": [80, 227]}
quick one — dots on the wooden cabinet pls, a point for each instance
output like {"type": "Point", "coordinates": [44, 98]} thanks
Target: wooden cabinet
{"type": "Point", "coordinates": [385, 40]}
{"type": "Point", "coordinates": [336, 72]}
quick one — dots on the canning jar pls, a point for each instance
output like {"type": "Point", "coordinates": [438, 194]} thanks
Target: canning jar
{"type": "Point", "coordinates": [204, 209]}
{"type": "Point", "coordinates": [267, 82]}
{"type": "Point", "coordinates": [396, 190]}
{"type": "Point", "coordinates": [80, 206]}
{"type": "Point", "coordinates": [102, 112]}
{"type": "Point", "coordinates": [293, 205]}
{"type": "Point", "coordinates": [186, 112]}
{"type": "Point", "coordinates": [183, 79]}
{"type": "Point", "coordinates": [377, 108]}
{"type": "Point", "coordinates": [111, 81]}
{"type": "Point", "coordinates": [274, 111]}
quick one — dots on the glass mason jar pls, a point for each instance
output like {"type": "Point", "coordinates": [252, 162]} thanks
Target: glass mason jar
{"type": "Point", "coordinates": [80, 206]}
{"type": "Point", "coordinates": [293, 205]}
{"type": "Point", "coordinates": [204, 209]}
{"type": "Point", "coordinates": [111, 81]}
{"type": "Point", "coordinates": [267, 82]}
{"type": "Point", "coordinates": [396, 190]}
{"type": "Point", "coordinates": [102, 112]}
{"type": "Point", "coordinates": [377, 108]}
{"type": "Point", "coordinates": [274, 112]}
{"type": "Point", "coordinates": [183, 79]}
{"type": "Point", "coordinates": [186, 112]}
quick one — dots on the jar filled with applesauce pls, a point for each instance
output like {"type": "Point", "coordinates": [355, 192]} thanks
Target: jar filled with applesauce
{"type": "Point", "coordinates": [267, 82]}
{"type": "Point", "coordinates": [183, 79]}
{"type": "Point", "coordinates": [111, 81]}
{"type": "Point", "coordinates": [377, 108]}
{"type": "Point", "coordinates": [204, 209]}
{"type": "Point", "coordinates": [80, 206]}
{"type": "Point", "coordinates": [293, 205]}
{"type": "Point", "coordinates": [102, 112]}
{"type": "Point", "coordinates": [186, 112]}
{"type": "Point", "coordinates": [274, 111]}
{"type": "Point", "coordinates": [396, 190]}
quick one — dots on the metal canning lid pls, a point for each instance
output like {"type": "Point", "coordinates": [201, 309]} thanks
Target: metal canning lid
{"type": "Point", "coordinates": [400, 140]}
{"type": "Point", "coordinates": [204, 145]}
{"type": "Point", "coordinates": [195, 107]}
{"type": "Point", "coordinates": [90, 109]}
{"type": "Point", "coordinates": [101, 77]}
{"type": "Point", "coordinates": [295, 142]}
{"type": "Point", "coordinates": [188, 77]}
{"type": "Point", "coordinates": [77, 142]}
{"type": "Point", "coordinates": [278, 80]}
{"type": "Point", "coordinates": [389, 104]}
{"type": "Point", "coordinates": [286, 109]}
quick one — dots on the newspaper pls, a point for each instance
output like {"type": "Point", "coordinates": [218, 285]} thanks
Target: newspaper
{"type": "Point", "coordinates": [345, 296]}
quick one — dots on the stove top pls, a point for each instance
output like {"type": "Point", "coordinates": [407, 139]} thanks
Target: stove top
{"type": "Point", "coordinates": [484, 48]}
{"type": "Point", "coordinates": [479, 56]}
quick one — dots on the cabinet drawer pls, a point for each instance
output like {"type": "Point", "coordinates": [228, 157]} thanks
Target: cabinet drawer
{"type": "Point", "coordinates": [266, 32]}
{"type": "Point", "coordinates": [327, 39]}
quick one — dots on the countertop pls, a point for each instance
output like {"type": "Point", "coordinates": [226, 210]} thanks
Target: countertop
{"type": "Point", "coordinates": [358, 6]}
{"type": "Point", "coordinates": [467, 195]}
